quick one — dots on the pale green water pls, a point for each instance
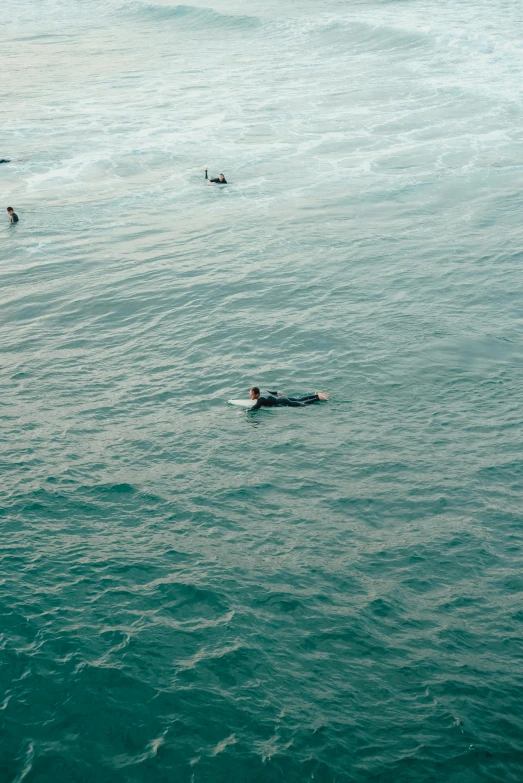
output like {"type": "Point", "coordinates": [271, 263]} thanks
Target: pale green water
{"type": "Point", "coordinates": [189, 592]}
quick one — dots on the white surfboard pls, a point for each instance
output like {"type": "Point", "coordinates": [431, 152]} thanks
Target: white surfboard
{"type": "Point", "coordinates": [242, 403]}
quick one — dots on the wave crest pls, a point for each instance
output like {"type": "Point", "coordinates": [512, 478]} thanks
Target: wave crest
{"type": "Point", "coordinates": [192, 17]}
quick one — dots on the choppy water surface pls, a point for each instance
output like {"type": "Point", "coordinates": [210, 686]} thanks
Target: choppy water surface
{"type": "Point", "coordinates": [189, 592]}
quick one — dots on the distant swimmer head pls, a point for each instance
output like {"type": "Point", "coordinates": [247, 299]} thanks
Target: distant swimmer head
{"type": "Point", "coordinates": [254, 393]}
{"type": "Point", "coordinates": [10, 210]}
{"type": "Point", "coordinates": [221, 177]}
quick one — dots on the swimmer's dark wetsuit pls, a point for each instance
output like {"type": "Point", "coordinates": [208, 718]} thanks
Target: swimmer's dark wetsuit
{"type": "Point", "coordinates": [14, 217]}
{"type": "Point", "coordinates": [219, 181]}
{"type": "Point", "coordinates": [271, 401]}
{"type": "Point", "coordinates": [5, 160]}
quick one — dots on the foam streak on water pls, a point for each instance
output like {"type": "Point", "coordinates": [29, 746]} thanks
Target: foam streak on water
{"type": "Point", "coordinates": [191, 592]}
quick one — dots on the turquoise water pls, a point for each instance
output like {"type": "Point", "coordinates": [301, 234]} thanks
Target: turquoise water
{"type": "Point", "coordinates": [189, 592]}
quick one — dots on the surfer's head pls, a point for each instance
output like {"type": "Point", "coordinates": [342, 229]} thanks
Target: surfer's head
{"type": "Point", "coordinates": [254, 393]}
{"type": "Point", "coordinates": [221, 177]}
{"type": "Point", "coordinates": [10, 210]}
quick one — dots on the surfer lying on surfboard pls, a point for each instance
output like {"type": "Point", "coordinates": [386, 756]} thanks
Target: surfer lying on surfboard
{"type": "Point", "coordinates": [274, 399]}
{"type": "Point", "coordinates": [220, 179]}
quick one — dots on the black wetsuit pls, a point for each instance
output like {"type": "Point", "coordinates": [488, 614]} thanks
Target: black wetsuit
{"type": "Point", "coordinates": [5, 160]}
{"type": "Point", "coordinates": [14, 217]}
{"type": "Point", "coordinates": [219, 181]}
{"type": "Point", "coordinates": [272, 401]}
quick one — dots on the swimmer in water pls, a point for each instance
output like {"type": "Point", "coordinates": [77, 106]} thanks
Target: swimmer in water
{"type": "Point", "coordinates": [220, 179]}
{"type": "Point", "coordinates": [12, 214]}
{"type": "Point", "coordinates": [277, 399]}
{"type": "Point", "coordinates": [4, 160]}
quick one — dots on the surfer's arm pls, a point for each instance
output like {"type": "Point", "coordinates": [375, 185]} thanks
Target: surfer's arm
{"type": "Point", "coordinates": [216, 179]}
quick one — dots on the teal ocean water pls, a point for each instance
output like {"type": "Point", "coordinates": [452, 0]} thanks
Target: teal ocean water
{"type": "Point", "coordinates": [190, 592]}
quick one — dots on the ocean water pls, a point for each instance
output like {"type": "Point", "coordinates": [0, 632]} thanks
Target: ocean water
{"type": "Point", "coordinates": [190, 592]}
